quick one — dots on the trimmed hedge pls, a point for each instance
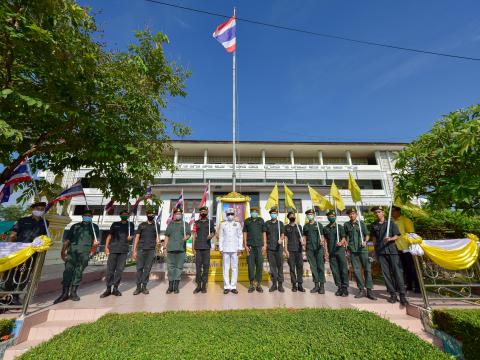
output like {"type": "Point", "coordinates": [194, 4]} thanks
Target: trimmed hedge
{"type": "Point", "coordinates": [6, 326]}
{"type": "Point", "coordinates": [462, 324]}
{"type": "Point", "coordinates": [238, 334]}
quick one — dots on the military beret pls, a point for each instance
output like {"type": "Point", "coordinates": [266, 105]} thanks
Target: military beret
{"type": "Point", "coordinates": [176, 210]}
{"type": "Point", "coordinates": [290, 213]}
{"type": "Point", "coordinates": [375, 208]}
{"type": "Point", "coordinates": [87, 212]}
{"type": "Point", "coordinates": [331, 212]}
{"type": "Point", "coordinates": [254, 208]}
{"type": "Point", "coordinates": [272, 210]}
{"type": "Point", "coordinates": [230, 211]}
{"type": "Point", "coordinates": [150, 210]}
{"type": "Point", "coordinates": [203, 208]}
{"type": "Point", "coordinates": [123, 212]}
{"type": "Point", "coordinates": [351, 210]}
{"type": "Point", "coordinates": [38, 203]}
{"type": "Point", "coordinates": [309, 211]}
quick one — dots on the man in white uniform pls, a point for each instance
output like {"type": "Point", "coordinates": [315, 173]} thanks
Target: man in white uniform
{"type": "Point", "coordinates": [230, 245]}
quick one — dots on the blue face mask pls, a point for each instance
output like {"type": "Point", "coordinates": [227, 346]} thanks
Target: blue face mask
{"type": "Point", "coordinates": [87, 219]}
{"type": "Point", "coordinates": [274, 216]}
{"type": "Point", "coordinates": [254, 214]}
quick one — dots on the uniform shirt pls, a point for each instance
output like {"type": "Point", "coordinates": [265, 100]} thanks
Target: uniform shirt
{"type": "Point", "coordinates": [379, 232]}
{"type": "Point", "coordinates": [330, 233]}
{"type": "Point", "coordinates": [312, 234]}
{"type": "Point", "coordinates": [175, 235]}
{"type": "Point", "coordinates": [148, 235]}
{"type": "Point", "coordinates": [81, 236]}
{"type": "Point", "coordinates": [254, 229]}
{"type": "Point", "coordinates": [294, 237]}
{"type": "Point", "coordinates": [27, 229]}
{"type": "Point", "coordinates": [200, 228]}
{"type": "Point", "coordinates": [352, 232]}
{"type": "Point", "coordinates": [271, 229]}
{"type": "Point", "coordinates": [405, 226]}
{"type": "Point", "coordinates": [119, 241]}
{"type": "Point", "coordinates": [230, 236]}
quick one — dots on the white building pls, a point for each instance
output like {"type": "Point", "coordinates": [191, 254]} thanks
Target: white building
{"type": "Point", "coordinates": [259, 166]}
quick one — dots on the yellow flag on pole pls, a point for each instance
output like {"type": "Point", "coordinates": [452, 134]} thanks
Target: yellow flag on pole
{"type": "Point", "coordinates": [289, 204]}
{"type": "Point", "coordinates": [335, 194]}
{"type": "Point", "coordinates": [273, 198]}
{"type": "Point", "coordinates": [354, 189]}
{"type": "Point", "coordinates": [319, 200]}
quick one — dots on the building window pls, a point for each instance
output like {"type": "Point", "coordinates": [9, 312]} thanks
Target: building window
{"type": "Point", "coordinates": [228, 181]}
{"type": "Point", "coordinates": [189, 204]}
{"type": "Point", "coordinates": [359, 161]}
{"type": "Point", "coordinates": [96, 209]}
{"type": "Point", "coordinates": [158, 181]}
{"type": "Point", "coordinates": [189, 181]}
{"type": "Point", "coordinates": [286, 181]}
{"type": "Point", "coordinates": [313, 182]}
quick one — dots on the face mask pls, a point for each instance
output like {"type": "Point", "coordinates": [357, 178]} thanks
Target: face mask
{"type": "Point", "coordinates": [203, 216]}
{"type": "Point", "coordinates": [37, 213]}
{"type": "Point", "coordinates": [254, 214]}
{"type": "Point", "coordinates": [124, 217]}
{"type": "Point", "coordinates": [178, 217]}
{"type": "Point", "coordinates": [150, 217]}
{"type": "Point", "coordinates": [292, 219]}
{"type": "Point", "coordinates": [274, 216]}
{"type": "Point", "coordinates": [332, 219]}
{"type": "Point", "coordinates": [310, 217]}
{"type": "Point", "coordinates": [230, 217]}
{"type": "Point", "coordinates": [87, 219]}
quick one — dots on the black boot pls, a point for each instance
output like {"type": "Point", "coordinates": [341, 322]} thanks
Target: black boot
{"type": "Point", "coordinates": [198, 288]}
{"type": "Point", "coordinates": [251, 288]}
{"type": "Point", "coordinates": [344, 292]}
{"type": "Point", "coordinates": [370, 294]}
{"type": "Point", "coordinates": [392, 299]}
{"type": "Point", "coordinates": [204, 288]}
{"type": "Point", "coordinates": [259, 288]}
{"type": "Point", "coordinates": [138, 290]}
{"type": "Point", "coordinates": [175, 286]}
{"type": "Point", "coordinates": [280, 287]}
{"type": "Point", "coordinates": [403, 300]}
{"type": "Point", "coordinates": [145, 290]}
{"type": "Point", "coordinates": [73, 293]}
{"type": "Point", "coordinates": [300, 287]}
{"type": "Point", "coordinates": [64, 296]}
{"type": "Point", "coordinates": [315, 289]}
{"type": "Point", "coordinates": [273, 287]}
{"type": "Point", "coordinates": [170, 287]}
{"type": "Point", "coordinates": [321, 290]}
{"type": "Point", "coordinates": [116, 292]}
{"type": "Point", "coordinates": [294, 287]}
{"type": "Point", "coordinates": [339, 291]}
{"type": "Point", "coordinates": [361, 294]}
{"type": "Point", "coordinates": [106, 293]}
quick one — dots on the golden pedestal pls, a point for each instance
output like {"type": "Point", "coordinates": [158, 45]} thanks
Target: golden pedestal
{"type": "Point", "coordinates": [215, 273]}
{"type": "Point", "coordinates": [56, 228]}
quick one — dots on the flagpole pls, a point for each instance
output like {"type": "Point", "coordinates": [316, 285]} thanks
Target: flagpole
{"type": "Point", "coordinates": [359, 213]}
{"type": "Point", "coordinates": [234, 111]}
{"type": "Point", "coordinates": [315, 219]}
{"type": "Point", "coordinates": [336, 222]}
{"type": "Point", "coordinates": [128, 208]}
{"type": "Point", "coordinates": [389, 217]}
{"type": "Point", "coordinates": [183, 213]}
{"type": "Point", "coordinates": [37, 195]}
{"type": "Point", "coordinates": [93, 228]}
{"type": "Point", "coordinates": [210, 203]}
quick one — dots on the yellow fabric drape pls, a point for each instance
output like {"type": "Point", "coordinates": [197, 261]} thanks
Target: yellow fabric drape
{"type": "Point", "coordinates": [20, 256]}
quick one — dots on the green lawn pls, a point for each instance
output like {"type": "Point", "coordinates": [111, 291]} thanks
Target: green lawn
{"type": "Point", "coordinates": [243, 334]}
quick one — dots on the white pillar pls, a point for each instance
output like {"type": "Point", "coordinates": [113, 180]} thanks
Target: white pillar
{"type": "Point", "coordinates": [263, 157]}
{"type": "Point", "coordinates": [205, 157]}
{"type": "Point", "coordinates": [349, 157]}
{"type": "Point", "coordinates": [175, 156]}
{"type": "Point", "coordinates": [378, 159]}
{"type": "Point", "coordinates": [320, 157]}
{"type": "Point", "coordinates": [292, 158]}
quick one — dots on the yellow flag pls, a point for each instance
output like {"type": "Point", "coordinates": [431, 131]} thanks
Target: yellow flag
{"type": "Point", "coordinates": [289, 204]}
{"type": "Point", "coordinates": [273, 198]}
{"type": "Point", "coordinates": [319, 200]}
{"type": "Point", "coordinates": [354, 188]}
{"type": "Point", "coordinates": [335, 194]}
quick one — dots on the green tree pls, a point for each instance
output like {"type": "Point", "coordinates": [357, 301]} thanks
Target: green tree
{"type": "Point", "coordinates": [443, 165]}
{"type": "Point", "coordinates": [67, 102]}
{"type": "Point", "coordinates": [12, 212]}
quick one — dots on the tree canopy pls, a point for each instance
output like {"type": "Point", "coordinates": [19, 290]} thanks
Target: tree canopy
{"type": "Point", "coordinates": [443, 165]}
{"type": "Point", "coordinates": [67, 102]}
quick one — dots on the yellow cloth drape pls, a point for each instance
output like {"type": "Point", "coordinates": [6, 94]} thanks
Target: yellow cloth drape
{"type": "Point", "coordinates": [20, 256]}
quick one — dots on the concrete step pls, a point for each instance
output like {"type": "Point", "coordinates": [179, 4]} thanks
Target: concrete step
{"type": "Point", "coordinates": [17, 350]}
{"type": "Point", "coordinates": [49, 329]}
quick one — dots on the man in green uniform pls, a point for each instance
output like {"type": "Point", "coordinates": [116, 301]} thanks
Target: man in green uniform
{"type": "Point", "coordinates": [316, 251]}
{"type": "Point", "coordinates": [176, 235]}
{"type": "Point", "coordinates": [273, 233]}
{"type": "Point", "coordinates": [387, 254]}
{"type": "Point", "coordinates": [357, 245]}
{"type": "Point", "coordinates": [293, 234]}
{"type": "Point", "coordinates": [255, 245]}
{"type": "Point", "coordinates": [76, 249]}
{"type": "Point", "coordinates": [336, 242]}
{"type": "Point", "coordinates": [203, 231]}
{"type": "Point", "coordinates": [144, 246]}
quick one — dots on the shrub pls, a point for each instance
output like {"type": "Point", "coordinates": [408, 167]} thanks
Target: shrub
{"type": "Point", "coordinates": [462, 324]}
{"type": "Point", "coordinates": [6, 326]}
{"type": "Point", "coordinates": [239, 334]}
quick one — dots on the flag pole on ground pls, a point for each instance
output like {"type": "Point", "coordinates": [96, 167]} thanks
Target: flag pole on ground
{"type": "Point", "coordinates": [356, 198]}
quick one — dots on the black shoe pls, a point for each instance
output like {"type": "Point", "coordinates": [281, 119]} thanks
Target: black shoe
{"type": "Point", "coordinates": [300, 287]}
{"type": "Point", "coordinates": [344, 292]}
{"type": "Point", "coordinates": [145, 290]}
{"type": "Point", "coordinates": [315, 289]}
{"type": "Point", "coordinates": [106, 293]}
{"type": "Point", "coordinates": [226, 291]}
{"type": "Point", "coordinates": [370, 295]}
{"type": "Point", "coordinates": [234, 291]}
{"type": "Point", "coordinates": [273, 287]}
{"type": "Point", "coordinates": [361, 294]}
{"type": "Point", "coordinates": [197, 289]}
{"type": "Point", "coordinates": [259, 288]}
{"type": "Point", "coordinates": [339, 292]}
{"type": "Point", "coordinates": [175, 286]}
{"type": "Point", "coordinates": [251, 288]}
{"type": "Point", "coordinates": [73, 293]}
{"type": "Point", "coordinates": [170, 287]}
{"type": "Point", "coordinates": [294, 288]}
{"type": "Point", "coordinates": [403, 300]}
{"type": "Point", "coordinates": [280, 287]}
{"type": "Point", "coordinates": [321, 290]}
{"type": "Point", "coordinates": [64, 296]}
{"type": "Point", "coordinates": [392, 299]}
{"type": "Point", "coordinates": [138, 290]}
{"type": "Point", "coordinates": [116, 292]}
{"type": "Point", "coordinates": [204, 288]}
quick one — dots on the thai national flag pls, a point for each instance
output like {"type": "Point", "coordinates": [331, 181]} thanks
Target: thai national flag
{"type": "Point", "coordinates": [109, 207]}
{"type": "Point", "coordinates": [20, 174]}
{"type": "Point", "coordinates": [204, 197]}
{"type": "Point", "coordinates": [192, 218]}
{"type": "Point", "coordinates": [225, 34]}
{"type": "Point", "coordinates": [75, 190]}
{"type": "Point", "coordinates": [178, 205]}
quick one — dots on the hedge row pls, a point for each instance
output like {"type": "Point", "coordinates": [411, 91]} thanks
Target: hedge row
{"type": "Point", "coordinates": [462, 324]}
{"type": "Point", "coordinates": [6, 326]}
{"type": "Point", "coordinates": [239, 334]}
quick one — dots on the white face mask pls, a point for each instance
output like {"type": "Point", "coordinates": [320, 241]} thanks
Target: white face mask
{"type": "Point", "coordinates": [230, 217]}
{"type": "Point", "coordinates": [37, 213]}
